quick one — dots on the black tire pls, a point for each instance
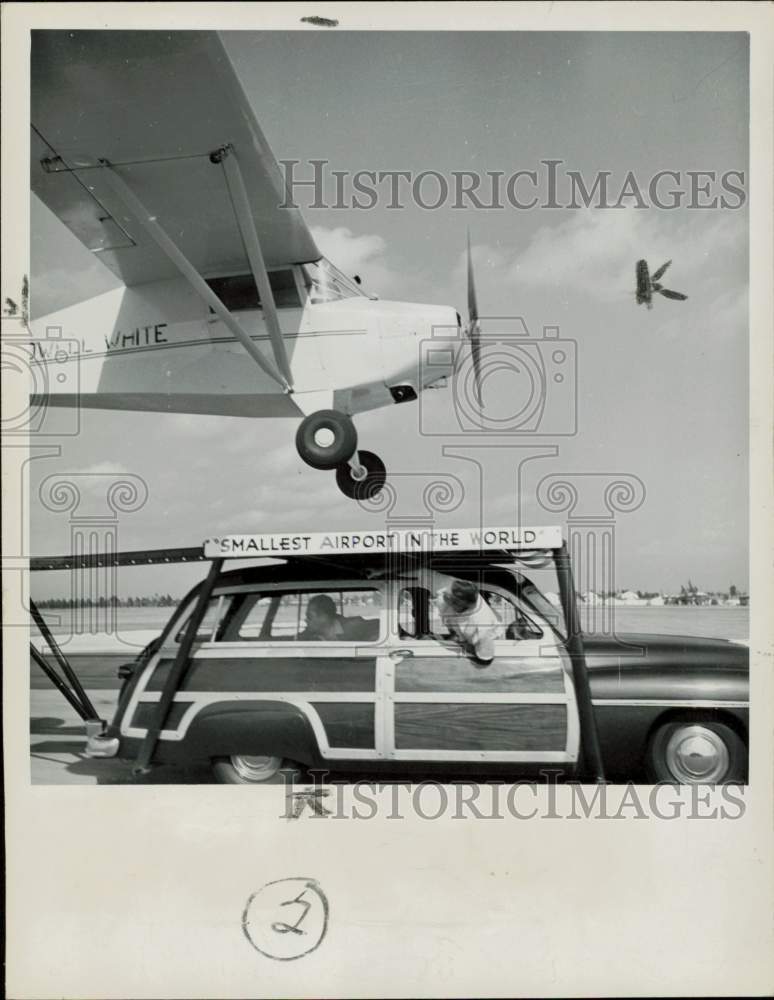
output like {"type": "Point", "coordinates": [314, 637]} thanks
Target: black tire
{"type": "Point", "coordinates": [362, 489]}
{"type": "Point", "coordinates": [339, 450]}
{"type": "Point", "coordinates": [696, 752]}
{"type": "Point", "coordinates": [251, 770]}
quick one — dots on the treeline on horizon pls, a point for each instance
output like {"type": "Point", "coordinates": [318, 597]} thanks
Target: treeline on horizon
{"type": "Point", "coordinates": [685, 592]}
{"type": "Point", "coordinates": [154, 601]}
{"type": "Point", "coordinates": [688, 595]}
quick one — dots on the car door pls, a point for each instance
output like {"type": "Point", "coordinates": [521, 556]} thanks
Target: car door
{"type": "Point", "coordinates": [251, 653]}
{"type": "Point", "coordinates": [442, 706]}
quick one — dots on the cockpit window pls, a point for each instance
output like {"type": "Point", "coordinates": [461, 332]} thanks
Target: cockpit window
{"type": "Point", "coordinates": [326, 283]}
{"type": "Point", "coordinates": [238, 292]}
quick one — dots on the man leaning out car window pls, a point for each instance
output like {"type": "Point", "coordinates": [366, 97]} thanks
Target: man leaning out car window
{"type": "Point", "coordinates": [469, 619]}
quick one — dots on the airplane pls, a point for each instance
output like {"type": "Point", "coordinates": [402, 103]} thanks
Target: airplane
{"type": "Point", "coordinates": [145, 146]}
{"type": "Point", "coordinates": [647, 284]}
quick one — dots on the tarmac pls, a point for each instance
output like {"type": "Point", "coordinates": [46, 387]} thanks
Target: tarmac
{"type": "Point", "coordinates": [58, 736]}
{"type": "Point", "coordinates": [58, 742]}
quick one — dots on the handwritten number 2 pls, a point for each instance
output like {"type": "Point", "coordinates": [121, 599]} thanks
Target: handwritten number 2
{"type": "Point", "coordinates": [281, 927]}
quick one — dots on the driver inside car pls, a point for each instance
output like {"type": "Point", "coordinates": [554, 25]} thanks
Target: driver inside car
{"type": "Point", "coordinates": [323, 623]}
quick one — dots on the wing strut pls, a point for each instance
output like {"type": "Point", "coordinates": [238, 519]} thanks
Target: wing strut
{"type": "Point", "coordinates": [244, 217]}
{"type": "Point", "coordinates": [189, 272]}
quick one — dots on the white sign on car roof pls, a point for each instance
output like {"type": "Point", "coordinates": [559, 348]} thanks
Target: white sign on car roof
{"type": "Point", "coordinates": [369, 542]}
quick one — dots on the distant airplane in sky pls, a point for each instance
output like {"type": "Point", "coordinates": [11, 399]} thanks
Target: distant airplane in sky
{"type": "Point", "coordinates": [647, 284]}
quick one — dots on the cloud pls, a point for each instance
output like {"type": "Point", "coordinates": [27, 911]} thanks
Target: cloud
{"type": "Point", "coordinates": [307, 499]}
{"type": "Point", "coordinates": [731, 310]}
{"type": "Point", "coordinates": [102, 469]}
{"type": "Point", "coordinates": [595, 250]}
{"type": "Point", "coordinates": [353, 254]}
{"type": "Point", "coordinates": [487, 260]}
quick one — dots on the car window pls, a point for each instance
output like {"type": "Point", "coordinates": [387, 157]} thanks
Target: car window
{"type": "Point", "coordinates": [217, 608]}
{"type": "Point", "coordinates": [414, 610]}
{"type": "Point", "coordinates": [406, 623]}
{"type": "Point", "coordinates": [517, 624]}
{"type": "Point", "coordinates": [274, 616]}
{"type": "Point", "coordinates": [440, 629]}
{"type": "Point", "coordinates": [543, 598]}
{"type": "Point", "coordinates": [340, 616]}
{"type": "Point", "coordinates": [257, 616]}
{"type": "Point", "coordinates": [254, 616]}
{"type": "Point", "coordinates": [419, 616]}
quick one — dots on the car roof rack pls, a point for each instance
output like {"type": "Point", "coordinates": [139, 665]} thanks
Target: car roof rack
{"type": "Point", "coordinates": [100, 560]}
{"type": "Point", "coordinates": [368, 547]}
{"type": "Point", "coordinates": [418, 542]}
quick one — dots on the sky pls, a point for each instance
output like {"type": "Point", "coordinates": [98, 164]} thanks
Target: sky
{"type": "Point", "coordinates": [662, 395]}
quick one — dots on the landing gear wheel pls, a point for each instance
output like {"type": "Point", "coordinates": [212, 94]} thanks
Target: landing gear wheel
{"type": "Point", "coordinates": [326, 438]}
{"type": "Point", "coordinates": [696, 752]}
{"type": "Point", "coordinates": [240, 769]}
{"type": "Point", "coordinates": [372, 482]}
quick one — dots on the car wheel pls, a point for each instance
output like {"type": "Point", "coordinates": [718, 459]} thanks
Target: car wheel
{"type": "Point", "coordinates": [688, 752]}
{"type": "Point", "coordinates": [245, 769]}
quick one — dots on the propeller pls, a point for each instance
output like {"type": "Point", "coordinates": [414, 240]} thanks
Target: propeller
{"type": "Point", "coordinates": [474, 327]}
{"type": "Point", "coordinates": [668, 294]}
{"type": "Point", "coordinates": [661, 271]}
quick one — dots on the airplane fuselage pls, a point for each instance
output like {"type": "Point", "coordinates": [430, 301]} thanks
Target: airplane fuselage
{"type": "Point", "coordinates": [644, 290]}
{"type": "Point", "coordinates": [158, 347]}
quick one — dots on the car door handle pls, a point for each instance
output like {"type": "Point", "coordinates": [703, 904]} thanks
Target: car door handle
{"type": "Point", "coordinates": [401, 654]}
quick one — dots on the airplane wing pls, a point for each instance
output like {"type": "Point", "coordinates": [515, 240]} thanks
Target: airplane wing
{"type": "Point", "coordinates": [155, 105]}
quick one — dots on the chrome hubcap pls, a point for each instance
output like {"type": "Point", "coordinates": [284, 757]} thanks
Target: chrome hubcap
{"type": "Point", "coordinates": [256, 768]}
{"type": "Point", "coordinates": [696, 755]}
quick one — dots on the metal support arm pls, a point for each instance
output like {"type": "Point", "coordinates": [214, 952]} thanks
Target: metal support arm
{"type": "Point", "coordinates": [87, 710]}
{"type": "Point", "coordinates": [244, 217]}
{"type": "Point", "coordinates": [592, 755]}
{"type": "Point", "coordinates": [189, 272]}
{"type": "Point", "coordinates": [59, 684]}
{"type": "Point", "coordinates": [178, 671]}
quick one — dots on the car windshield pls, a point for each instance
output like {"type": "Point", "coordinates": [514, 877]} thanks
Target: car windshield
{"type": "Point", "coordinates": [326, 283]}
{"type": "Point", "coordinates": [548, 610]}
